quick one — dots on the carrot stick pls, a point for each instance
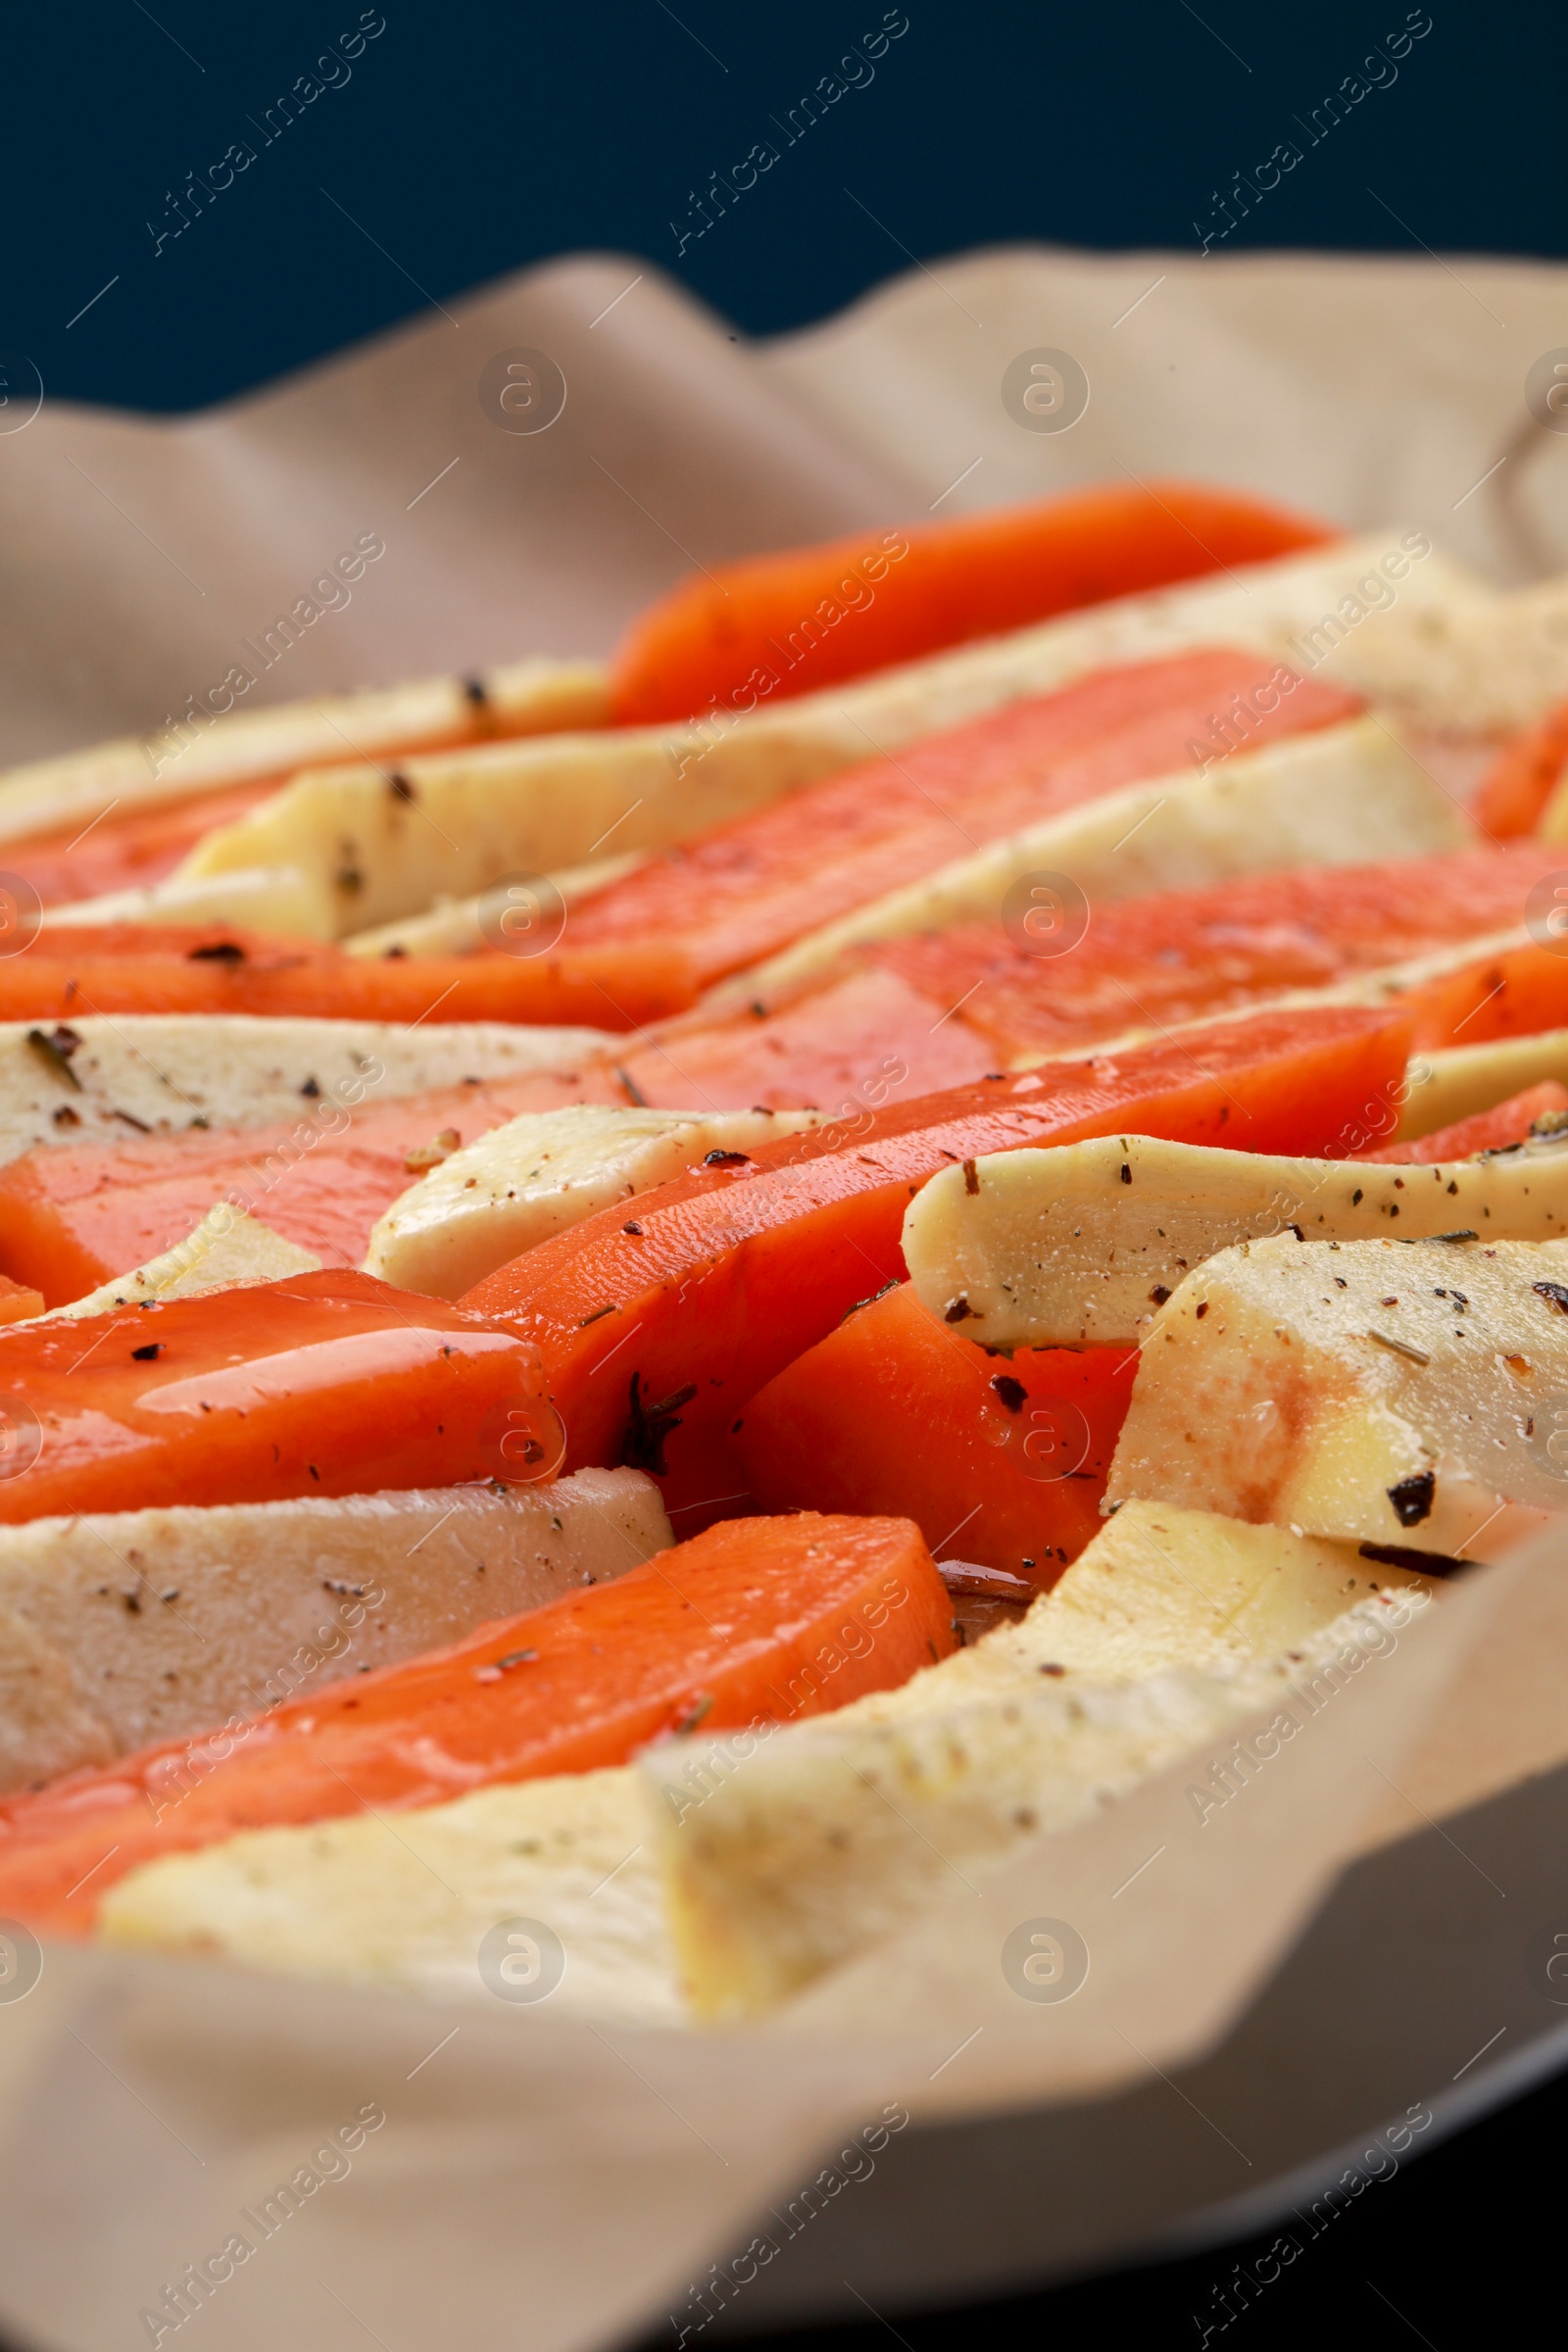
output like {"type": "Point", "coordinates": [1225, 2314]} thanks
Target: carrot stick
{"type": "Point", "coordinates": [1521, 780]}
{"type": "Point", "coordinates": [1002, 1461]}
{"type": "Point", "coordinates": [1483, 1131]}
{"type": "Point", "coordinates": [656, 1328]}
{"type": "Point", "coordinates": [327, 1384]}
{"type": "Point", "coordinates": [754, 1622]}
{"type": "Point", "coordinates": [790, 623]}
{"type": "Point", "coordinates": [155, 969]}
{"type": "Point", "coordinates": [130, 851]}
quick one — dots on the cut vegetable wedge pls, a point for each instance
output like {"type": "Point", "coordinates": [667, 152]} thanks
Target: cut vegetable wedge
{"type": "Point", "coordinates": [1002, 1461]}
{"type": "Point", "coordinates": [408, 1901]}
{"type": "Point", "coordinates": [760, 1620]}
{"type": "Point", "coordinates": [1085, 1243]}
{"type": "Point", "coordinates": [1503, 1125]}
{"type": "Point", "coordinates": [546, 1171]}
{"type": "Point", "coordinates": [1373, 1392]}
{"type": "Point", "coordinates": [1457, 1081]}
{"type": "Point", "coordinates": [226, 1249]}
{"type": "Point", "coordinates": [75, 1215]}
{"type": "Point", "coordinates": [159, 1073]}
{"type": "Point", "coordinates": [173, 969]}
{"type": "Point", "coordinates": [1332, 797]}
{"type": "Point", "coordinates": [147, 779]}
{"type": "Point", "coordinates": [1183, 954]}
{"type": "Point", "coordinates": [780, 1865]}
{"type": "Point", "coordinates": [326, 1384]}
{"type": "Point", "coordinates": [749, 890]}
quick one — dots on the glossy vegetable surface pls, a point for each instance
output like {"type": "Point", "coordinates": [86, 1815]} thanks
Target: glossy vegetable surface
{"type": "Point", "coordinates": [74, 1215]}
{"type": "Point", "coordinates": [1002, 1460]}
{"type": "Point", "coordinates": [326, 1384]}
{"type": "Point", "coordinates": [125, 967]}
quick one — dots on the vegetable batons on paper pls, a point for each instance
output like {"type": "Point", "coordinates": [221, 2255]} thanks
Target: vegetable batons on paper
{"type": "Point", "coordinates": [369, 1900]}
{"type": "Point", "coordinates": [786, 1856]}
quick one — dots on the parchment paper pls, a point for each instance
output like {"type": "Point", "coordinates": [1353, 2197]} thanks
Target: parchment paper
{"type": "Point", "coordinates": [534, 2176]}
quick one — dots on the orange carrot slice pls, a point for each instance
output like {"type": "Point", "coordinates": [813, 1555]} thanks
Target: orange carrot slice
{"type": "Point", "coordinates": [327, 1384]}
{"type": "Point", "coordinates": [1002, 1461]}
{"type": "Point", "coordinates": [16, 1302]}
{"type": "Point", "coordinates": [760, 1621]}
{"type": "Point", "coordinates": [157, 968]}
{"type": "Point", "coordinates": [74, 1215]}
{"type": "Point", "coordinates": [656, 1327]}
{"type": "Point", "coordinates": [1181, 954]}
{"type": "Point", "coordinates": [750, 888]}
{"type": "Point", "coordinates": [1521, 780]}
{"type": "Point", "coordinates": [789, 623]}
{"type": "Point", "coordinates": [1483, 1131]}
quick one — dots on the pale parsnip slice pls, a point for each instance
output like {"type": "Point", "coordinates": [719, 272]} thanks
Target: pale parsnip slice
{"type": "Point", "coordinates": [354, 1901]}
{"type": "Point", "coordinates": [158, 1073]}
{"type": "Point", "coordinates": [1335, 795]}
{"type": "Point", "coordinates": [837, 1832]}
{"type": "Point", "coordinates": [522, 698]}
{"type": "Point", "coordinates": [458, 821]}
{"type": "Point", "coordinates": [1456, 1081]}
{"type": "Point", "coordinates": [533, 807]}
{"type": "Point", "coordinates": [139, 1626]}
{"type": "Point", "coordinates": [1162, 1587]}
{"type": "Point", "coordinates": [1464, 661]}
{"type": "Point", "coordinates": [457, 926]}
{"type": "Point", "coordinates": [1083, 1244]}
{"type": "Point", "coordinates": [225, 1251]}
{"type": "Point", "coordinates": [1373, 1392]}
{"type": "Point", "coordinates": [278, 899]}
{"type": "Point", "coordinates": [365, 1901]}
{"type": "Point", "coordinates": [496, 1198]}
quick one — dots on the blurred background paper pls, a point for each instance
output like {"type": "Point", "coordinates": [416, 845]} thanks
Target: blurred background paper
{"type": "Point", "coordinates": [139, 556]}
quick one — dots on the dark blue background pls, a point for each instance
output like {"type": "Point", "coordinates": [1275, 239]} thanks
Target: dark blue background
{"type": "Point", "coordinates": [469, 141]}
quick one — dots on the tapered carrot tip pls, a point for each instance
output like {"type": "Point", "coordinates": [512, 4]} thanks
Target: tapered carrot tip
{"type": "Point", "coordinates": [755, 1622]}
{"type": "Point", "coordinates": [793, 623]}
{"type": "Point", "coordinates": [1517, 788]}
{"type": "Point", "coordinates": [1493, 1130]}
